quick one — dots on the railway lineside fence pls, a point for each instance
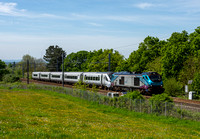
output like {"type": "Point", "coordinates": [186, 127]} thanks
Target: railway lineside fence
{"type": "Point", "coordinates": [142, 106]}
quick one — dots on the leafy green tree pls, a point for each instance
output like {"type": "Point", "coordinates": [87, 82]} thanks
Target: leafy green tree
{"type": "Point", "coordinates": [3, 69]}
{"type": "Point", "coordinates": [54, 57]}
{"type": "Point", "coordinates": [196, 83]}
{"type": "Point", "coordinates": [76, 61]}
{"type": "Point", "coordinates": [148, 50]}
{"type": "Point", "coordinates": [190, 68]}
{"type": "Point", "coordinates": [155, 65]}
{"type": "Point", "coordinates": [173, 87]}
{"type": "Point", "coordinates": [177, 51]}
{"type": "Point", "coordinates": [99, 60]}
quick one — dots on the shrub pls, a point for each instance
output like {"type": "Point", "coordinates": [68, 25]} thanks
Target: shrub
{"type": "Point", "coordinates": [134, 95]}
{"type": "Point", "coordinates": [158, 102]}
{"type": "Point", "coordinates": [81, 85]}
{"type": "Point", "coordinates": [195, 83]}
{"type": "Point", "coordinates": [10, 78]}
{"type": "Point", "coordinates": [173, 87]}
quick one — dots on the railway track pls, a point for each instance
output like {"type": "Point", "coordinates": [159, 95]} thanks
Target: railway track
{"type": "Point", "coordinates": [184, 103]}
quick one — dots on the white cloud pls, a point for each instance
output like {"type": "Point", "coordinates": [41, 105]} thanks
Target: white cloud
{"type": "Point", "coordinates": [144, 5]}
{"type": "Point", "coordinates": [95, 24]}
{"type": "Point", "coordinates": [10, 9]}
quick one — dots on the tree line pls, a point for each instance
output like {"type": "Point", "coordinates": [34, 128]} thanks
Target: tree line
{"type": "Point", "coordinates": [177, 59]}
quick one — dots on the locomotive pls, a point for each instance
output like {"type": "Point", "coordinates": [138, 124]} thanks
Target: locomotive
{"type": "Point", "coordinates": [147, 82]}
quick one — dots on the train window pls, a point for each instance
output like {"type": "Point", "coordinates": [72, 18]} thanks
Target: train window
{"type": "Point", "coordinates": [155, 78]}
{"type": "Point", "coordinates": [121, 81]}
{"type": "Point", "coordinates": [55, 76]}
{"type": "Point", "coordinates": [93, 78]}
{"type": "Point", "coordinates": [106, 78]}
{"type": "Point", "coordinates": [44, 75]}
{"type": "Point", "coordinates": [136, 81]}
{"type": "Point", "coordinates": [35, 75]}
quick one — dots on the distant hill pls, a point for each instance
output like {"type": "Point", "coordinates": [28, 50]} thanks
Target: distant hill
{"type": "Point", "coordinates": [11, 61]}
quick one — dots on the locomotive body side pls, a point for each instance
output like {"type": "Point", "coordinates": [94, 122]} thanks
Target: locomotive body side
{"type": "Point", "coordinates": [126, 81]}
{"type": "Point", "coordinates": [149, 82]}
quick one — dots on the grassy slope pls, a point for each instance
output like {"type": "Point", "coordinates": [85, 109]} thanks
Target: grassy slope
{"type": "Point", "coordinates": [30, 114]}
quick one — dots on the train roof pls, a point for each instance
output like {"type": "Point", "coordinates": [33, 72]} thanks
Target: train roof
{"type": "Point", "coordinates": [134, 73]}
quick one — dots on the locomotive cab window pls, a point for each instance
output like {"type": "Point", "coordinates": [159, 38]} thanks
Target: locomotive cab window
{"type": "Point", "coordinates": [155, 78]}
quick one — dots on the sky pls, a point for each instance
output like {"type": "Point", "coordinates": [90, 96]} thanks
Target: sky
{"type": "Point", "coordinates": [31, 26]}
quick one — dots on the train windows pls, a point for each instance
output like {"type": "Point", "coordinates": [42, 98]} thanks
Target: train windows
{"type": "Point", "coordinates": [35, 75]}
{"type": "Point", "coordinates": [55, 76]}
{"type": "Point", "coordinates": [92, 78]}
{"type": "Point", "coordinates": [44, 75]}
{"type": "Point", "coordinates": [71, 77]}
{"type": "Point", "coordinates": [155, 78]}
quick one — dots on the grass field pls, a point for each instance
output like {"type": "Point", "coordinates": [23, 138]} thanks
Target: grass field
{"type": "Point", "coordinates": [45, 114]}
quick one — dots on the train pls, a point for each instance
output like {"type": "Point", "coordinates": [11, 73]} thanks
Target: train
{"type": "Point", "coordinates": [146, 82]}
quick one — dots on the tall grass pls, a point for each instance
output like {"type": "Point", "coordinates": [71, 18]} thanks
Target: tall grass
{"type": "Point", "coordinates": [38, 113]}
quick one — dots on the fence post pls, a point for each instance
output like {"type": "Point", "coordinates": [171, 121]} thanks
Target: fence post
{"type": "Point", "coordinates": [140, 106]}
{"type": "Point", "coordinates": [27, 71]}
{"type": "Point", "coordinates": [181, 111]}
{"type": "Point", "coordinates": [165, 109]}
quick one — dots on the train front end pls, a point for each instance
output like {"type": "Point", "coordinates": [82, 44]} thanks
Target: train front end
{"type": "Point", "coordinates": [154, 83]}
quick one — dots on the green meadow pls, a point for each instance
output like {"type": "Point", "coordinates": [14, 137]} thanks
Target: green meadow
{"type": "Point", "coordinates": [46, 114]}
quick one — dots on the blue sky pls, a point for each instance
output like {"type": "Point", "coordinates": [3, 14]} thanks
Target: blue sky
{"type": "Point", "coordinates": [31, 26]}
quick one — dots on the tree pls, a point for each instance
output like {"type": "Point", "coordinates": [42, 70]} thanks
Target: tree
{"type": "Point", "coordinates": [3, 70]}
{"type": "Point", "coordinates": [195, 83]}
{"type": "Point", "coordinates": [99, 60]}
{"type": "Point", "coordinates": [54, 58]}
{"type": "Point", "coordinates": [76, 61]}
{"type": "Point", "coordinates": [176, 53]}
{"type": "Point", "coordinates": [148, 50]}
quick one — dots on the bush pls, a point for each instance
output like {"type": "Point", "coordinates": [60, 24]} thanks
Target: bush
{"type": "Point", "coordinates": [10, 78]}
{"type": "Point", "coordinates": [158, 102]}
{"type": "Point", "coordinates": [173, 88]}
{"type": "Point", "coordinates": [81, 85]}
{"type": "Point", "coordinates": [134, 95]}
{"type": "Point", "coordinates": [195, 83]}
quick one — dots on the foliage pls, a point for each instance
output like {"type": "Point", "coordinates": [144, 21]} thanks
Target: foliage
{"type": "Point", "coordinates": [134, 95]}
{"type": "Point", "coordinates": [76, 61]}
{"type": "Point", "coordinates": [80, 85]}
{"type": "Point", "coordinates": [54, 58]}
{"type": "Point", "coordinates": [158, 102]}
{"type": "Point", "coordinates": [10, 78]}
{"type": "Point", "coordinates": [93, 61]}
{"type": "Point", "coordinates": [196, 83]}
{"type": "Point", "coordinates": [154, 65]}
{"type": "Point", "coordinates": [147, 52]}
{"type": "Point", "coordinates": [190, 68]}
{"type": "Point", "coordinates": [177, 50]}
{"type": "Point", "coordinates": [173, 87]}
{"type": "Point", "coordinates": [3, 70]}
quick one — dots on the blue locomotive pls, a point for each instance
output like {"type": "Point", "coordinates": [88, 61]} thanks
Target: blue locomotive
{"type": "Point", "coordinates": [147, 82]}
